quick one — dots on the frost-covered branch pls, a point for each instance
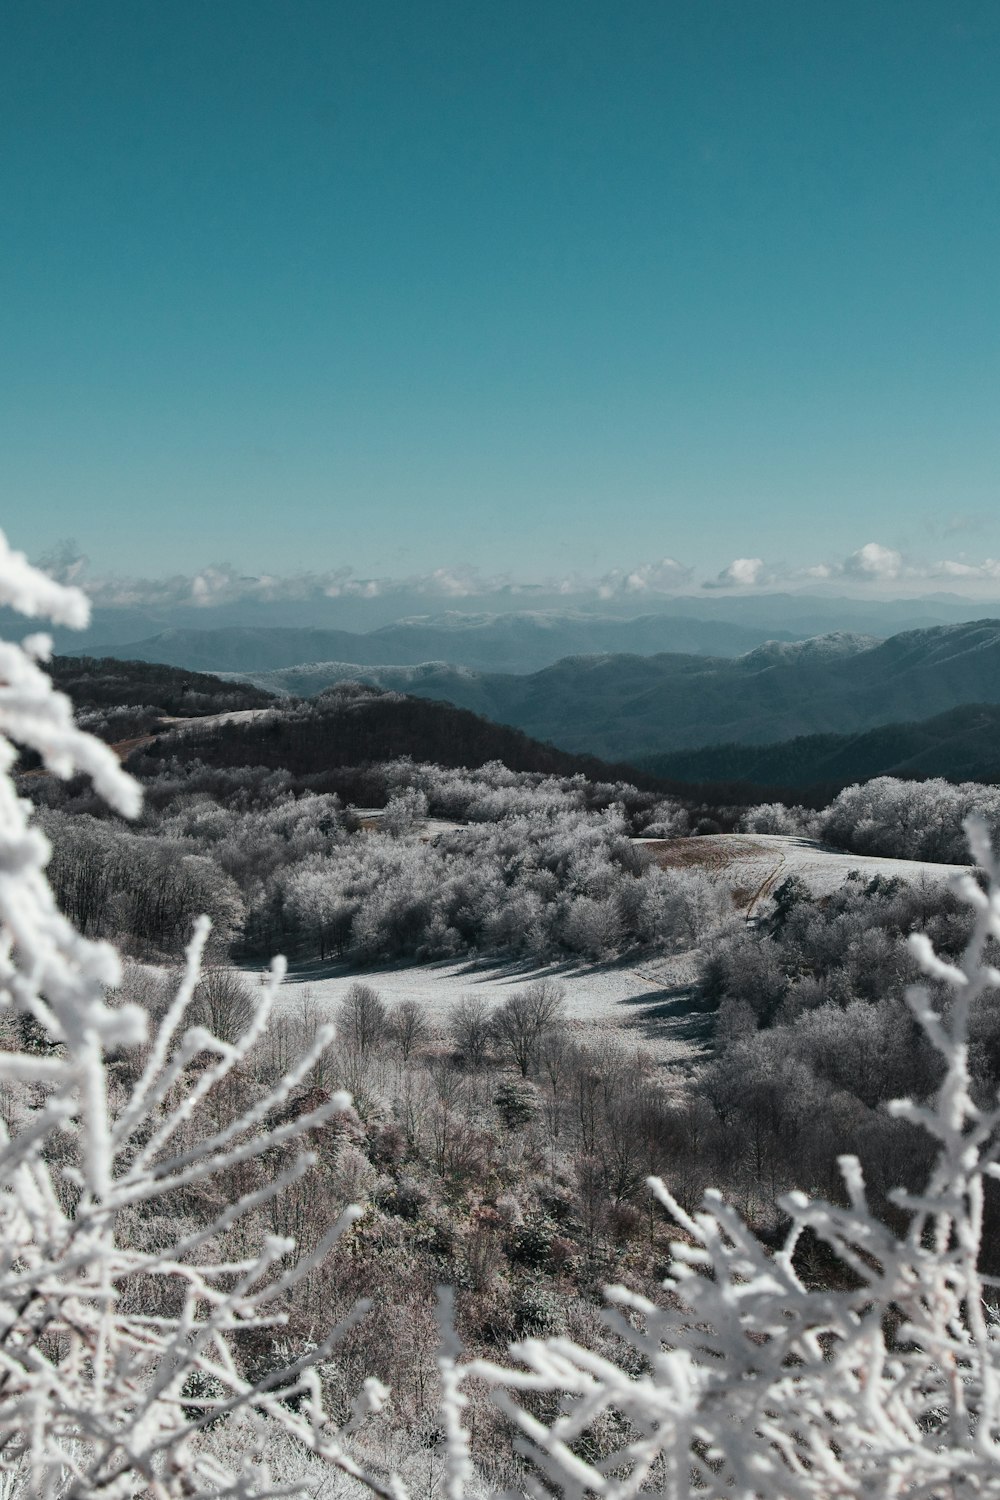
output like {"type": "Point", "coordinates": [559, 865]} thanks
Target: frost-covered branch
{"type": "Point", "coordinates": [101, 1393]}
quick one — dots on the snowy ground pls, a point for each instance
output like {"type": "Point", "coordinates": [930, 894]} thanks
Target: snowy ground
{"type": "Point", "coordinates": [754, 865]}
{"type": "Point", "coordinates": [646, 1004]}
{"type": "Point", "coordinates": [209, 721]}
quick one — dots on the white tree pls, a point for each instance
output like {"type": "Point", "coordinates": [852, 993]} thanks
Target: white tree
{"type": "Point", "coordinates": [101, 1392]}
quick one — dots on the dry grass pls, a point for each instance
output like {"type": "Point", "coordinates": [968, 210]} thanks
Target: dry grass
{"type": "Point", "coordinates": [705, 853]}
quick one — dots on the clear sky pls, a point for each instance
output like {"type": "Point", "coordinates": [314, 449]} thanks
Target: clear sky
{"type": "Point", "coordinates": [531, 286]}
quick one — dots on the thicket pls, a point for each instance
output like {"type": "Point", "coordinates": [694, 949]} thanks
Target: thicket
{"type": "Point", "coordinates": [540, 866]}
{"type": "Point", "coordinates": [889, 818]}
{"type": "Point", "coordinates": [813, 1037]}
{"type": "Point", "coordinates": [910, 820]}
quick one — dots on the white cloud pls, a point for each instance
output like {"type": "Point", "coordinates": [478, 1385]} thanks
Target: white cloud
{"type": "Point", "coordinates": [664, 577]}
{"type": "Point", "coordinates": [742, 573]}
{"type": "Point", "coordinates": [879, 566]}
{"type": "Point", "coordinates": [873, 561]}
{"type": "Point", "coordinates": [872, 567]}
{"type": "Point", "coordinates": [220, 584]}
{"type": "Point", "coordinates": [988, 570]}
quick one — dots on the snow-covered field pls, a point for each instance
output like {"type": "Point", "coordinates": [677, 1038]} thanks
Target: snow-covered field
{"type": "Point", "coordinates": [646, 1003]}
{"type": "Point", "coordinates": [754, 865]}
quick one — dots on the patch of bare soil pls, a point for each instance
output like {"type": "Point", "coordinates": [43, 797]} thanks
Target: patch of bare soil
{"type": "Point", "coordinates": [706, 853]}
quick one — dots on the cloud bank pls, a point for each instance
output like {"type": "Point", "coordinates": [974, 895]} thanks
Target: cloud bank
{"type": "Point", "coordinates": [871, 568]}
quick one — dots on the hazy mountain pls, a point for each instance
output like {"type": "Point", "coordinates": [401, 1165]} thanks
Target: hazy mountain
{"type": "Point", "coordinates": [520, 642]}
{"type": "Point", "coordinates": [962, 745]}
{"type": "Point", "coordinates": [116, 628]}
{"type": "Point", "coordinates": [147, 609]}
{"type": "Point", "coordinates": [623, 706]}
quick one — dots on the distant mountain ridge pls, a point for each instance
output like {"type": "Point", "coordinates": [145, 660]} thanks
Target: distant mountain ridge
{"type": "Point", "coordinates": [126, 613]}
{"type": "Point", "coordinates": [524, 641]}
{"type": "Point", "coordinates": [623, 706]}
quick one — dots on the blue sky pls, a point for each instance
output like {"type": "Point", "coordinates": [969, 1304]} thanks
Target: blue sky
{"type": "Point", "coordinates": [523, 287]}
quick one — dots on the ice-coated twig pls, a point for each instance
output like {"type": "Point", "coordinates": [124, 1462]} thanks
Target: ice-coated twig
{"type": "Point", "coordinates": [93, 1398]}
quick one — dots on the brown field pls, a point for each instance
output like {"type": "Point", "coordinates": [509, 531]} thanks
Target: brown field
{"type": "Point", "coordinates": [704, 853]}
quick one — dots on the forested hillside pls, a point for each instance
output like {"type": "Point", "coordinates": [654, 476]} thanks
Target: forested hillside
{"type": "Point", "coordinates": [118, 700]}
{"type": "Point", "coordinates": [624, 706]}
{"type": "Point", "coordinates": [352, 725]}
{"type": "Point", "coordinates": [962, 744]}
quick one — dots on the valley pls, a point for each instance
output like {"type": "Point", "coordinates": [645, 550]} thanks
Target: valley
{"type": "Point", "coordinates": [650, 1002]}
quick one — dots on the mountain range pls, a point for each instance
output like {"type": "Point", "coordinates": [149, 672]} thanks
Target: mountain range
{"type": "Point", "coordinates": [521, 642]}
{"type": "Point", "coordinates": [841, 676]}
{"type": "Point", "coordinates": [623, 706]}
{"type": "Point", "coordinates": [127, 613]}
{"type": "Point", "coordinates": [495, 634]}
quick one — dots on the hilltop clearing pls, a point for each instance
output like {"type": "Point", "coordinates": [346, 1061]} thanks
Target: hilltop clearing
{"type": "Point", "coordinates": [754, 864]}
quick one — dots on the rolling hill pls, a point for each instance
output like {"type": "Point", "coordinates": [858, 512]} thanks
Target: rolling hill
{"type": "Point", "coordinates": [356, 725]}
{"type": "Point", "coordinates": [106, 682]}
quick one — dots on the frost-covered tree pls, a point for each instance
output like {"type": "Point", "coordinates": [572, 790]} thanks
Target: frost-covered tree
{"type": "Point", "coordinates": [115, 1360]}
{"type": "Point", "coordinates": [909, 820]}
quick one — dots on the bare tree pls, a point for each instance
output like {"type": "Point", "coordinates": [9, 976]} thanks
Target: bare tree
{"type": "Point", "coordinates": [362, 1021]}
{"type": "Point", "coordinates": [470, 1028]}
{"type": "Point", "coordinates": [556, 1058]}
{"type": "Point", "coordinates": [521, 1022]}
{"type": "Point", "coordinates": [223, 1003]}
{"type": "Point", "coordinates": [409, 1027]}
